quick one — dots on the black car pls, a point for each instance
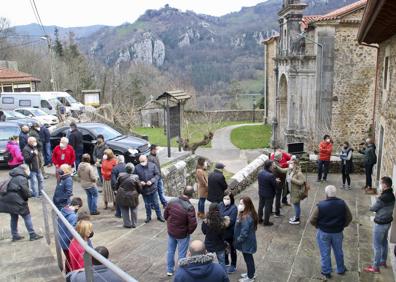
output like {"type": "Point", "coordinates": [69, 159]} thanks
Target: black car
{"type": "Point", "coordinates": [7, 129]}
{"type": "Point", "coordinates": [129, 146]}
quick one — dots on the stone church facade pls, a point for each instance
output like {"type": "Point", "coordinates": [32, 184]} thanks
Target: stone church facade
{"type": "Point", "coordinates": [323, 80]}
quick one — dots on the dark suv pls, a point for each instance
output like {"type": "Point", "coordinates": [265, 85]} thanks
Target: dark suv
{"type": "Point", "coordinates": [129, 146]}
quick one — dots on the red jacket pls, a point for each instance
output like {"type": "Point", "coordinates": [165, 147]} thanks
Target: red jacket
{"type": "Point", "coordinates": [76, 255]}
{"type": "Point", "coordinates": [325, 150]}
{"type": "Point", "coordinates": [107, 167]}
{"type": "Point", "coordinates": [285, 158]}
{"type": "Point", "coordinates": [66, 156]}
{"type": "Point", "coordinates": [180, 217]}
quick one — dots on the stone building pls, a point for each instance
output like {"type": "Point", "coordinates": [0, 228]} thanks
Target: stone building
{"type": "Point", "coordinates": [378, 28]}
{"type": "Point", "coordinates": [12, 80]}
{"type": "Point", "coordinates": [323, 80]}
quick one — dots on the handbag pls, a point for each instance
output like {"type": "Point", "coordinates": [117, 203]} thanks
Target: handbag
{"type": "Point", "coordinates": [307, 187]}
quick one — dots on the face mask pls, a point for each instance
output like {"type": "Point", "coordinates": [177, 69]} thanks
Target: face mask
{"type": "Point", "coordinates": [328, 140]}
{"type": "Point", "coordinates": [241, 208]}
{"type": "Point", "coordinates": [99, 141]}
{"type": "Point", "coordinates": [27, 172]}
{"type": "Point", "coordinates": [144, 163]}
{"type": "Point", "coordinates": [91, 235]}
{"type": "Point", "coordinates": [34, 144]}
{"type": "Point", "coordinates": [62, 146]}
{"type": "Point", "coordinates": [291, 166]}
{"type": "Point", "coordinates": [61, 172]}
{"type": "Point", "coordinates": [38, 128]}
{"type": "Point", "coordinates": [227, 202]}
{"type": "Point", "coordinates": [105, 157]}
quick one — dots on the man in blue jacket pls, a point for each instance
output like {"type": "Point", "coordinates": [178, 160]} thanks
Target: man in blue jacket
{"type": "Point", "coordinates": [45, 138]}
{"type": "Point", "coordinates": [267, 188]}
{"type": "Point", "coordinates": [199, 266]}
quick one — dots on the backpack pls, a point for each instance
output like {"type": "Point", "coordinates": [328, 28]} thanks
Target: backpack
{"type": "Point", "coordinates": [7, 156]}
{"type": "Point", "coordinates": [4, 185]}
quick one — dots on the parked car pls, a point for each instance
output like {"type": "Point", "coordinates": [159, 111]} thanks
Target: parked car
{"type": "Point", "coordinates": [129, 146]}
{"type": "Point", "coordinates": [7, 129]}
{"type": "Point", "coordinates": [39, 115]}
{"type": "Point", "coordinates": [18, 118]}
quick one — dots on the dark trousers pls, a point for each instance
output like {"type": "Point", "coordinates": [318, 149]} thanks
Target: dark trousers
{"type": "Point", "coordinates": [278, 196]}
{"type": "Point", "coordinates": [267, 203]}
{"type": "Point", "coordinates": [323, 168]}
{"type": "Point", "coordinates": [79, 153]}
{"type": "Point", "coordinates": [249, 260]}
{"type": "Point", "coordinates": [285, 192]}
{"type": "Point", "coordinates": [369, 171]}
{"type": "Point", "coordinates": [232, 253]}
{"type": "Point", "coordinates": [345, 175]}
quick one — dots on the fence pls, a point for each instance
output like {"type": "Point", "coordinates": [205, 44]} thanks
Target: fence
{"type": "Point", "coordinates": [90, 253]}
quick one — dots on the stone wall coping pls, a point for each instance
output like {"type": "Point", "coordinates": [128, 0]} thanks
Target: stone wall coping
{"type": "Point", "coordinates": [333, 158]}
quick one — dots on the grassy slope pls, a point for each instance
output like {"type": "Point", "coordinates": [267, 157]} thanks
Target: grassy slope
{"type": "Point", "coordinates": [251, 137]}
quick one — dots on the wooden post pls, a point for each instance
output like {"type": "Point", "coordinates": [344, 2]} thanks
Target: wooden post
{"type": "Point", "coordinates": [180, 124]}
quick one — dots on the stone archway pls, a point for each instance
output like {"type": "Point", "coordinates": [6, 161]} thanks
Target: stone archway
{"type": "Point", "coordinates": [283, 112]}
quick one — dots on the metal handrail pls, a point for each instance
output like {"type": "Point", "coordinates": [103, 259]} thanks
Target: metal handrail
{"type": "Point", "coordinates": [118, 271]}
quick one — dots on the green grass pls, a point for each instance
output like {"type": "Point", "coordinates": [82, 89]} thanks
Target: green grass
{"type": "Point", "coordinates": [194, 132]}
{"type": "Point", "coordinates": [251, 137]}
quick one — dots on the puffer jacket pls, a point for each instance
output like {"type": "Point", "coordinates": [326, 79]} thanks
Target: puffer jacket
{"type": "Point", "coordinates": [180, 217]}
{"type": "Point", "coordinates": [63, 191]}
{"type": "Point", "coordinates": [147, 173]}
{"type": "Point", "coordinates": [128, 189]}
{"type": "Point", "coordinates": [245, 235]}
{"type": "Point", "coordinates": [65, 235]}
{"type": "Point", "coordinates": [325, 150]}
{"type": "Point", "coordinates": [15, 152]}
{"type": "Point", "coordinates": [383, 207]}
{"type": "Point", "coordinates": [200, 268]}
{"type": "Point", "coordinates": [15, 201]}
{"type": "Point", "coordinates": [87, 174]}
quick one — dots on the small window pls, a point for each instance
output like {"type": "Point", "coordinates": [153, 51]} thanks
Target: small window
{"type": "Point", "coordinates": [7, 100]}
{"type": "Point", "coordinates": [386, 72]}
{"type": "Point", "coordinates": [7, 88]}
{"type": "Point", "coordinates": [25, 103]}
{"type": "Point", "coordinates": [45, 104]}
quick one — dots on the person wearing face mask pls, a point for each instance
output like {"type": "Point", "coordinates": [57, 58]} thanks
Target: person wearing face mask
{"type": "Point", "coordinates": [295, 179]}
{"type": "Point", "coordinates": [23, 136]}
{"type": "Point", "coordinates": [16, 155]}
{"type": "Point", "coordinates": [201, 177]}
{"type": "Point", "coordinates": [325, 149]}
{"type": "Point", "coordinates": [153, 157]}
{"type": "Point", "coordinates": [245, 236]}
{"type": "Point", "coordinates": [71, 215]}
{"type": "Point", "coordinates": [370, 159]}
{"type": "Point", "coordinates": [76, 252]}
{"type": "Point", "coordinates": [64, 189]}
{"type": "Point", "coordinates": [383, 208]}
{"type": "Point", "coordinates": [35, 132]}
{"type": "Point", "coordinates": [228, 208]}
{"type": "Point", "coordinates": [15, 202]}
{"type": "Point", "coordinates": [346, 164]}
{"type": "Point", "coordinates": [32, 159]}
{"type": "Point", "coordinates": [109, 161]}
{"type": "Point", "coordinates": [63, 154]}
{"type": "Point", "coordinates": [149, 174]}
{"type": "Point", "coordinates": [266, 190]}
{"type": "Point", "coordinates": [97, 155]}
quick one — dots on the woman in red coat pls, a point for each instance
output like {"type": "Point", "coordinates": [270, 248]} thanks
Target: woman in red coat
{"type": "Point", "coordinates": [108, 162]}
{"type": "Point", "coordinates": [63, 154]}
{"type": "Point", "coordinates": [76, 251]}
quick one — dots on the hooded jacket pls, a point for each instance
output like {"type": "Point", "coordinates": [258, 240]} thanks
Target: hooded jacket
{"type": "Point", "coordinates": [15, 152]}
{"type": "Point", "coordinates": [15, 201]}
{"type": "Point", "coordinates": [87, 174]}
{"type": "Point", "coordinates": [200, 268]}
{"type": "Point", "coordinates": [383, 207]}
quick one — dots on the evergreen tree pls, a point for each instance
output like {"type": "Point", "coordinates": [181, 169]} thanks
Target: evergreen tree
{"type": "Point", "coordinates": [58, 47]}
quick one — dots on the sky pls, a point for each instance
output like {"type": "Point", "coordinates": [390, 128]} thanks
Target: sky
{"type": "Point", "coordinates": [72, 13]}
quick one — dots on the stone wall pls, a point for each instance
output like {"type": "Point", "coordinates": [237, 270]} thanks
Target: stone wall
{"type": "Point", "coordinates": [270, 54]}
{"type": "Point", "coordinates": [218, 116]}
{"type": "Point", "coordinates": [354, 83]}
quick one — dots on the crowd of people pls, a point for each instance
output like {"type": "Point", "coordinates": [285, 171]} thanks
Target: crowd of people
{"type": "Point", "coordinates": [228, 226]}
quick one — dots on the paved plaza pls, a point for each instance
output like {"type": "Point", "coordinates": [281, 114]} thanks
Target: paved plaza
{"type": "Point", "coordinates": [285, 252]}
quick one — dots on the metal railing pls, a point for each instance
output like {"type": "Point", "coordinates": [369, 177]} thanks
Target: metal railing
{"type": "Point", "coordinates": [89, 251]}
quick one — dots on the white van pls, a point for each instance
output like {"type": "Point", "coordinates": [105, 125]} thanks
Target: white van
{"type": "Point", "coordinates": [71, 104]}
{"type": "Point", "coordinates": [45, 101]}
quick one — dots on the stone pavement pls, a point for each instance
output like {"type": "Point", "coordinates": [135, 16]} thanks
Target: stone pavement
{"type": "Point", "coordinates": [285, 252]}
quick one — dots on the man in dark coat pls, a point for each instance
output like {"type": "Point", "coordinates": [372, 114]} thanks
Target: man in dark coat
{"type": "Point", "coordinates": [181, 222]}
{"type": "Point", "coordinates": [115, 172]}
{"type": "Point", "coordinates": [76, 141]}
{"type": "Point", "coordinates": [32, 158]}
{"type": "Point", "coordinates": [45, 139]}
{"type": "Point", "coordinates": [199, 266]}
{"type": "Point", "coordinates": [23, 136]}
{"type": "Point", "coordinates": [267, 189]}
{"type": "Point", "coordinates": [370, 159]}
{"type": "Point", "coordinates": [153, 157]}
{"type": "Point", "coordinates": [148, 175]}
{"type": "Point", "coordinates": [35, 132]}
{"type": "Point", "coordinates": [97, 155]}
{"type": "Point", "coordinates": [217, 184]}
{"type": "Point", "coordinates": [15, 202]}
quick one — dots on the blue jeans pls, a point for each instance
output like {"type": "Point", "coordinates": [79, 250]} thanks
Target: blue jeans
{"type": "Point", "coordinates": [92, 198]}
{"type": "Point", "coordinates": [221, 259]}
{"type": "Point", "coordinates": [47, 153]}
{"type": "Point", "coordinates": [160, 189]}
{"type": "Point", "coordinates": [297, 210]}
{"type": "Point", "coordinates": [326, 242]}
{"type": "Point", "coordinates": [152, 200]}
{"type": "Point", "coordinates": [201, 205]}
{"type": "Point", "coordinates": [182, 246]}
{"type": "Point", "coordinates": [14, 225]}
{"type": "Point", "coordinates": [36, 182]}
{"type": "Point", "coordinates": [380, 243]}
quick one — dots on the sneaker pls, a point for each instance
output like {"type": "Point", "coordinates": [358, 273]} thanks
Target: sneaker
{"type": "Point", "coordinates": [384, 265]}
{"type": "Point", "coordinates": [231, 269]}
{"type": "Point", "coordinates": [17, 238]}
{"type": "Point", "coordinates": [292, 218]}
{"type": "Point", "coordinates": [169, 274]}
{"type": "Point", "coordinates": [295, 221]}
{"type": "Point", "coordinates": [349, 187]}
{"type": "Point", "coordinates": [147, 220]}
{"type": "Point", "coordinates": [244, 275]}
{"type": "Point", "coordinates": [278, 215]}
{"type": "Point", "coordinates": [371, 269]}
{"type": "Point", "coordinates": [327, 275]}
{"type": "Point", "coordinates": [246, 279]}
{"type": "Point", "coordinates": [35, 237]}
{"type": "Point", "coordinates": [127, 226]}
{"type": "Point", "coordinates": [268, 224]}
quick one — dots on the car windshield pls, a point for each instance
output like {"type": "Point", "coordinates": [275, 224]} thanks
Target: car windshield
{"type": "Point", "coordinates": [107, 132]}
{"type": "Point", "coordinates": [54, 102]}
{"type": "Point", "coordinates": [37, 112]}
{"type": "Point", "coordinates": [7, 132]}
{"type": "Point", "coordinates": [71, 99]}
